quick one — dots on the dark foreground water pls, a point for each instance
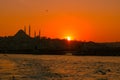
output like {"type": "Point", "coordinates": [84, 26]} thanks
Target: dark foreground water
{"type": "Point", "coordinates": [55, 67]}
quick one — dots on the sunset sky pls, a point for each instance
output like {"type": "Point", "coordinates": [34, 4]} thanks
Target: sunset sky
{"type": "Point", "coordinates": [90, 20]}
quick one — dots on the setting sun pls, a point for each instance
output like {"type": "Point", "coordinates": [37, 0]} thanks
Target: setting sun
{"type": "Point", "coordinates": [68, 38]}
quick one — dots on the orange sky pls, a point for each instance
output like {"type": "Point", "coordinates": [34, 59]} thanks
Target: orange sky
{"type": "Point", "coordinates": [90, 20]}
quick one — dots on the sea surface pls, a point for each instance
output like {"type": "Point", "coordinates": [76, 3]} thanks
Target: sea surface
{"type": "Point", "coordinates": [58, 67]}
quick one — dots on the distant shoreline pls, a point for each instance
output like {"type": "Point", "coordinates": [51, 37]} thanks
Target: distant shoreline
{"type": "Point", "coordinates": [74, 53]}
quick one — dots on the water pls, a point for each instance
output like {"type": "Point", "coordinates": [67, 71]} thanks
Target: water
{"type": "Point", "coordinates": [58, 67]}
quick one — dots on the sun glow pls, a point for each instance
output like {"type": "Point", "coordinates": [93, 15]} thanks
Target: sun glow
{"type": "Point", "coordinates": [68, 38]}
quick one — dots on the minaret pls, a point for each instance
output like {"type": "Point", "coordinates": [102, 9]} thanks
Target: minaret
{"type": "Point", "coordinates": [35, 34]}
{"type": "Point", "coordinates": [39, 34]}
{"type": "Point", "coordinates": [25, 29]}
{"type": "Point", "coordinates": [29, 30]}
